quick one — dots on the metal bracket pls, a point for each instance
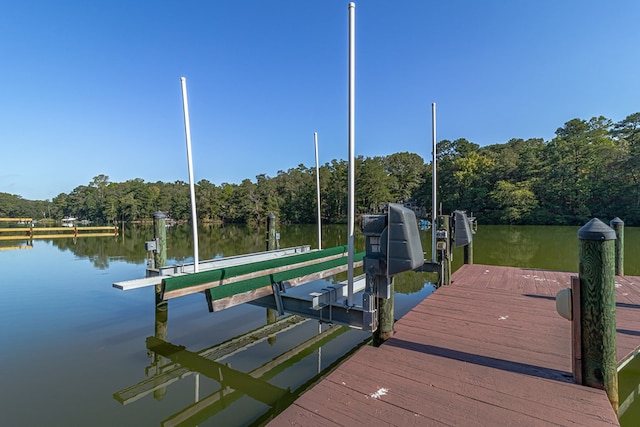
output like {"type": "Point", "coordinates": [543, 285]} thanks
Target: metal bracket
{"type": "Point", "coordinates": [312, 299]}
{"type": "Point", "coordinates": [369, 312]}
{"type": "Point", "coordinates": [329, 296]}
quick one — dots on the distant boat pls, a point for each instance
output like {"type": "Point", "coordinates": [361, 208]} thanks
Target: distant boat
{"type": "Point", "coordinates": [68, 221]}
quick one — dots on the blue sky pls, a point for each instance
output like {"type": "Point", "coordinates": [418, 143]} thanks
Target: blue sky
{"type": "Point", "coordinates": [93, 87]}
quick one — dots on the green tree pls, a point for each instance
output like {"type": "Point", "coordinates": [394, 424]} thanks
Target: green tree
{"type": "Point", "coordinates": [336, 194]}
{"type": "Point", "coordinates": [405, 171]}
{"type": "Point", "coordinates": [129, 207]}
{"type": "Point", "coordinates": [296, 195]}
{"type": "Point", "coordinates": [180, 203]}
{"type": "Point", "coordinates": [590, 168]}
{"type": "Point", "coordinates": [269, 199]}
{"type": "Point", "coordinates": [464, 175]}
{"type": "Point", "coordinates": [515, 201]}
{"type": "Point", "coordinates": [626, 192]}
{"type": "Point", "coordinates": [207, 200]}
{"type": "Point", "coordinates": [571, 164]}
{"type": "Point", "coordinates": [372, 184]}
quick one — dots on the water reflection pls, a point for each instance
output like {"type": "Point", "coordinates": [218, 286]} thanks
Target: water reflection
{"type": "Point", "coordinates": [523, 246]}
{"type": "Point", "coordinates": [629, 393]}
{"type": "Point", "coordinates": [27, 245]}
{"type": "Point", "coordinates": [548, 247]}
{"type": "Point", "coordinates": [252, 377]}
{"type": "Point", "coordinates": [222, 391]}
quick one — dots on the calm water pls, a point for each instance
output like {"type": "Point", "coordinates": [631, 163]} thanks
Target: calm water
{"type": "Point", "coordinates": [74, 349]}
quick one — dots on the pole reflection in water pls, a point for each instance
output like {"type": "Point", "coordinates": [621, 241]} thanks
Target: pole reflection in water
{"type": "Point", "coordinates": [319, 350]}
{"type": "Point", "coordinates": [254, 390]}
{"type": "Point", "coordinates": [157, 360]}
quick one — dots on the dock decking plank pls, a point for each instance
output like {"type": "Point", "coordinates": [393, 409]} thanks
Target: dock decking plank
{"type": "Point", "coordinates": [507, 346]}
{"type": "Point", "coordinates": [413, 366]}
{"type": "Point", "coordinates": [488, 350]}
{"type": "Point", "coordinates": [427, 402]}
{"type": "Point", "coordinates": [455, 381]}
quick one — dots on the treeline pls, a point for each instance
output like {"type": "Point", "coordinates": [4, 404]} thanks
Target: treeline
{"type": "Point", "coordinates": [589, 169]}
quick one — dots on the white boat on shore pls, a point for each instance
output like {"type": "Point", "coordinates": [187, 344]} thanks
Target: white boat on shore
{"type": "Point", "coordinates": [69, 221]}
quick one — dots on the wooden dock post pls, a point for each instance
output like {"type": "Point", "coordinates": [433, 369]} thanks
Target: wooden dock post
{"type": "Point", "coordinates": [443, 245]}
{"type": "Point", "coordinates": [162, 307]}
{"type": "Point", "coordinates": [618, 226]}
{"type": "Point", "coordinates": [271, 232]}
{"type": "Point", "coordinates": [160, 254]}
{"type": "Point", "coordinates": [272, 315]}
{"type": "Point", "coordinates": [596, 269]}
{"type": "Point", "coordinates": [386, 318]}
{"type": "Point", "coordinates": [160, 234]}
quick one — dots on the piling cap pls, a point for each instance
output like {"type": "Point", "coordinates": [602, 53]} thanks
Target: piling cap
{"type": "Point", "coordinates": [616, 221]}
{"type": "Point", "coordinates": [596, 230]}
{"type": "Point", "coordinates": [159, 215]}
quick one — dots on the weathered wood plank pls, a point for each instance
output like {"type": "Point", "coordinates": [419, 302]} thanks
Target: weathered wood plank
{"type": "Point", "coordinates": [488, 350]}
{"type": "Point", "coordinates": [478, 383]}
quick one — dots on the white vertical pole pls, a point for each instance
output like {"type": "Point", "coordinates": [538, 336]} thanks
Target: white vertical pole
{"type": "Point", "coordinates": [187, 132]}
{"type": "Point", "coordinates": [315, 140]}
{"type": "Point", "coordinates": [352, 137]}
{"type": "Point", "coordinates": [197, 388]}
{"type": "Point", "coordinates": [434, 193]}
{"type": "Point", "coordinates": [319, 349]}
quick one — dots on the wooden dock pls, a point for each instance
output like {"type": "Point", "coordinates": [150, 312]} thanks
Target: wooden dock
{"type": "Point", "coordinates": [32, 233]}
{"type": "Point", "coordinates": [489, 350]}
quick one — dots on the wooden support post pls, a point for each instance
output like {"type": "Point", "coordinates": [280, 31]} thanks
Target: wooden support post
{"type": "Point", "coordinates": [443, 245]}
{"type": "Point", "coordinates": [596, 269]}
{"type": "Point", "coordinates": [618, 226]}
{"type": "Point", "coordinates": [160, 254]}
{"type": "Point", "coordinates": [386, 317]}
{"type": "Point", "coordinates": [272, 315]}
{"type": "Point", "coordinates": [160, 234]}
{"type": "Point", "coordinates": [162, 307]}
{"type": "Point", "coordinates": [271, 232]}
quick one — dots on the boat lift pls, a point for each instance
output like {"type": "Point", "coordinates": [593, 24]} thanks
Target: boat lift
{"type": "Point", "coordinates": [273, 279]}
